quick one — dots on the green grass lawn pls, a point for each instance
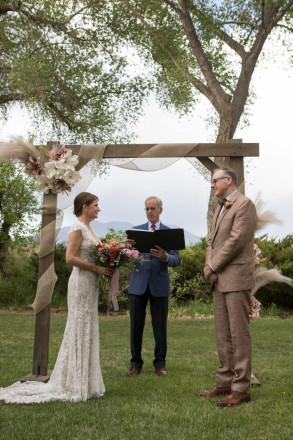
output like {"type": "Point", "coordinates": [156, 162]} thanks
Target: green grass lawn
{"type": "Point", "coordinates": [147, 406]}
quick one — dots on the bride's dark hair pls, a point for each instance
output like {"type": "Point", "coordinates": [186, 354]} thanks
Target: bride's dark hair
{"type": "Point", "coordinates": [83, 198]}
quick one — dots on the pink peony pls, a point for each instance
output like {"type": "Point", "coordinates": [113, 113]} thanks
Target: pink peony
{"type": "Point", "coordinates": [254, 309]}
{"type": "Point", "coordinates": [34, 167]}
{"type": "Point", "coordinates": [59, 186]}
{"type": "Point", "coordinates": [59, 154]}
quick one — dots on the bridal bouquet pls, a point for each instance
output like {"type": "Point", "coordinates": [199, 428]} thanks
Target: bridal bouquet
{"type": "Point", "coordinates": [113, 252]}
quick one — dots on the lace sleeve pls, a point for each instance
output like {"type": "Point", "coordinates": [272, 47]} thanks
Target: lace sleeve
{"type": "Point", "coordinates": [78, 226]}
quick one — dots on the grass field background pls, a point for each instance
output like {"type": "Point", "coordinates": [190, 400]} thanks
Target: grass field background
{"type": "Point", "coordinates": [147, 406]}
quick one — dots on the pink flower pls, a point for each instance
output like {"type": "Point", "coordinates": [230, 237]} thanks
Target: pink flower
{"type": "Point", "coordinates": [254, 309]}
{"type": "Point", "coordinates": [256, 252]}
{"type": "Point", "coordinates": [59, 154]}
{"type": "Point", "coordinates": [34, 167]}
{"type": "Point", "coordinates": [134, 254]}
{"type": "Point", "coordinates": [59, 186]}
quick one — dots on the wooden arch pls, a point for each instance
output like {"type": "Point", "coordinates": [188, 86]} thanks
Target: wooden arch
{"type": "Point", "coordinates": [234, 151]}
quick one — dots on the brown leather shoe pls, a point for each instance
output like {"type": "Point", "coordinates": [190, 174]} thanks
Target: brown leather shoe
{"type": "Point", "coordinates": [235, 398]}
{"type": "Point", "coordinates": [215, 391]}
{"type": "Point", "coordinates": [161, 371]}
{"type": "Point", "coordinates": [133, 370]}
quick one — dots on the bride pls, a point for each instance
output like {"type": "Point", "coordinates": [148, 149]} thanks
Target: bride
{"type": "Point", "coordinates": [77, 374]}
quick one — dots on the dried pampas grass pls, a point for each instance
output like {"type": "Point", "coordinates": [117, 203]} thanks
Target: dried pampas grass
{"type": "Point", "coordinates": [17, 150]}
{"type": "Point", "coordinates": [263, 276]}
{"type": "Point", "coordinates": [264, 217]}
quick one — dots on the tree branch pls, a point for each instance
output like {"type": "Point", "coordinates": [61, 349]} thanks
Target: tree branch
{"type": "Point", "coordinates": [233, 44]}
{"type": "Point", "coordinates": [60, 114]}
{"type": "Point", "coordinates": [182, 69]}
{"type": "Point", "coordinates": [5, 99]}
{"type": "Point", "coordinates": [216, 94]}
{"type": "Point", "coordinates": [283, 11]}
{"type": "Point", "coordinates": [285, 27]}
{"type": "Point", "coordinates": [249, 23]}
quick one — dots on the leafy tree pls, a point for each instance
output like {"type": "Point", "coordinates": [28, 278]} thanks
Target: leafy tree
{"type": "Point", "coordinates": [204, 48]}
{"type": "Point", "coordinates": [61, 60]}
{"type": "Point", "coordinates": [18, 207]}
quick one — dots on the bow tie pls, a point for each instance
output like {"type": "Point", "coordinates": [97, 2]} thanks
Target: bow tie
{"type": "Point", "coordinates": [222, 202]}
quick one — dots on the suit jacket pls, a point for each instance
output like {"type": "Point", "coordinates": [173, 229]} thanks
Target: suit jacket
{"type": "Point", "coordinates": [230, 249]}
{"type": "Point", "coordinates": [152, 272]}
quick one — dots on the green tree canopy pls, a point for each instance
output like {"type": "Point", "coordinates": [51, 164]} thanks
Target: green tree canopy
{"type": "Point", "coordinates": [203, 48]}
{"type": "Point", "coordinates": [61, 60]}
{"type": "Point", "coordinates": [18, 208]}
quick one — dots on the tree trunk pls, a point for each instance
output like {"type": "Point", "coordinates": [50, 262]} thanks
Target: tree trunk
{"type": "Point", "coordinates": [5, 239]}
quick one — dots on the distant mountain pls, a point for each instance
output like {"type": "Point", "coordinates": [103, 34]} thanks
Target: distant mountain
{"type": "Point", "coordinates": [102, 229]}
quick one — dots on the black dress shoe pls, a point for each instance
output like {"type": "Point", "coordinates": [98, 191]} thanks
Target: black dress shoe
{"type": "Point", "coordinates": [133, 370]}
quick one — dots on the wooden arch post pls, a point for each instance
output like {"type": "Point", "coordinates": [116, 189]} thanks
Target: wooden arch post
{"type": "Point", "coordinates": [235, 151]}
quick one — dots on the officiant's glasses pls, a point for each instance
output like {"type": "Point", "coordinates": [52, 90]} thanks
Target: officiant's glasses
{"type": "Point", "coordinates": [151, 208]}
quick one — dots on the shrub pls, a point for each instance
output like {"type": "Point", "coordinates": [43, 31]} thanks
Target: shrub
{"type": "Point", "coordinates": [187, 280]}
{"type": "Point", "coordinates": [276, 254]}
{"type": "Point", "coordinates": [19, 286]}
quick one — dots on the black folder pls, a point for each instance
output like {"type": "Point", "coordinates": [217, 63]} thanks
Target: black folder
{"type": "Point", "coordinates": [172, 239]}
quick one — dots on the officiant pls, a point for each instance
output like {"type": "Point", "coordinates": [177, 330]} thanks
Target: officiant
{"type": "Point", "coordinates": [150, 282]}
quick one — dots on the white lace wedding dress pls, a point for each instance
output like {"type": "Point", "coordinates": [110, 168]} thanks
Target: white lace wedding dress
{"type": "Point", "coordinates": [77, 373]}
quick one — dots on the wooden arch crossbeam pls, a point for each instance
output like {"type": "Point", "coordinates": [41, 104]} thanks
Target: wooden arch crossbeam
{"type": "Point", "coordinates": [234, 150]}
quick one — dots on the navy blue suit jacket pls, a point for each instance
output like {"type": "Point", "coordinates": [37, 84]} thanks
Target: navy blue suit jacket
{"type": "Point", "coordinates": [153, 272]}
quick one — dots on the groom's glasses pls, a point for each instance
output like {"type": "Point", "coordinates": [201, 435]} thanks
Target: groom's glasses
{"type": "Point", "coordinates": [214, 181]}
{"type": "Point", "coordinates": [150, 209]}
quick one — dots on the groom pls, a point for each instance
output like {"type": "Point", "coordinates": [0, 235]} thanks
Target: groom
{"type": "Point", "coordinates": [150, 281]}
{"type": "Point", "coordinates": [230, 266]}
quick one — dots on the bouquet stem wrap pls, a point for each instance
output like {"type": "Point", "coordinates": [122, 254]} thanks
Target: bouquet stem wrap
{"type": "Point", "coordinates": [113, 291]}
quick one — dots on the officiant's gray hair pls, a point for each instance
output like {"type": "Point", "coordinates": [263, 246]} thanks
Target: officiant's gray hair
{"type": "Point", "coordinates": [159, 201]}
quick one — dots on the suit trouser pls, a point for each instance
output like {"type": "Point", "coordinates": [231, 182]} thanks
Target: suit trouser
{"type": "Point", "coordinates": [231, 312]}
{"type": "Point", "coordinates": [159, 313]}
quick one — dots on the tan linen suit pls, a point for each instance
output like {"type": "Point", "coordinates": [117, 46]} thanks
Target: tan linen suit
{"type": "Point", "coordinates": [230, 254]}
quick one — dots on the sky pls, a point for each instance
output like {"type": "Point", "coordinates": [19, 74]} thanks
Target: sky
{"type": "Point", "coordinates": [183, 190]}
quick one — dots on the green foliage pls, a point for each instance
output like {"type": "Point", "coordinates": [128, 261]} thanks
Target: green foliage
{"type": "Point", "coordinates": [187, 280]}
{"type": "Point", "coordinates": [18, 201]}
{"type": "Point", "coordinates": [18, 208]}
{"type": "Point", "coordinates": [18, 288]}
{"type": "Point", "coordinates": [62, 61]}
{"type": "Point", "coordinates": [276, 254]}
{"type": "Point", "coordinates": [203, 48]}
{"type": "Point", "coordinates": [189, 290]}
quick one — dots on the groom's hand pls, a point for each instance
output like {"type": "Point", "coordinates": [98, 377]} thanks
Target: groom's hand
{"type": "Point", "coordinates": [209, 274]}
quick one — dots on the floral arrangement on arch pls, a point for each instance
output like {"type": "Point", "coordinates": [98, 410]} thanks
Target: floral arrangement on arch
{"type": "Point", "coordinates": [53, 171]}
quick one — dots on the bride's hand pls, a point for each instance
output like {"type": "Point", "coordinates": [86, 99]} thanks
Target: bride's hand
{"type": "Point", "coordinates": [104, 271]}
